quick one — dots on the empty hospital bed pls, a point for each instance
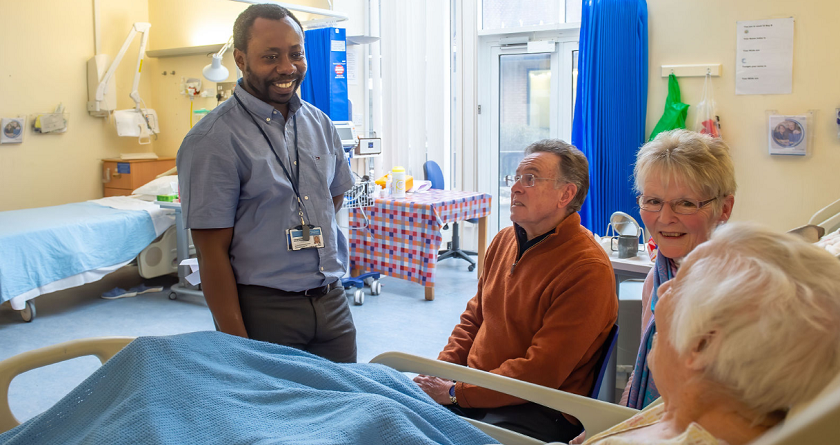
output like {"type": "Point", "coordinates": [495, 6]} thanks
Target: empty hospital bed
{"type": "Point", "coordinates": [817, 423]}
{"type": "Point", "coordinates": [48, 249]}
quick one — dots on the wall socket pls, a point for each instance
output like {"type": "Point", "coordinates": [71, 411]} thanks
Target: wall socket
{"type": "Point", "coordinates": [224, 90]}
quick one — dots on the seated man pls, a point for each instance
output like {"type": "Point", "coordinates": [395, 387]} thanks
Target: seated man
{"type": "Point", "coordinates": [545, 304]}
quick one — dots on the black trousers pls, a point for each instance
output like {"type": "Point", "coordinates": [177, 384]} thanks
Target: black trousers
{"type": "Point", "coordinates": [530, 419]}
{"type": "Point", "coordinates": [322, 325]}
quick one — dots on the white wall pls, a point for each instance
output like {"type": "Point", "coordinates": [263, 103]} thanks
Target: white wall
{"type": "Point", "coordinates": [782, 192]}
{"type": "Point", "coordinates": [46, 45]}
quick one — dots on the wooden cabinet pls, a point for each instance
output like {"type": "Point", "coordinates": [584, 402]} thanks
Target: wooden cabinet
{"type": "Point", "coordinates": [120, 177]}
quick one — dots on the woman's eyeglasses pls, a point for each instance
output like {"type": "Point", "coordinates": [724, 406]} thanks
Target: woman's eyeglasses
{"type": "Point", "coordinates": [683, 206]}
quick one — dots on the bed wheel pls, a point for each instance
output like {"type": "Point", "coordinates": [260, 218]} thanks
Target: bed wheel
{"type": "Point", "coordinates": [375, 287]}
{"type": "Point", "coordinates": [173, 295]}
{"type": "Point", "coordinates": [359, 297]}
{"type": "Point", "coordinates": [28, 312]}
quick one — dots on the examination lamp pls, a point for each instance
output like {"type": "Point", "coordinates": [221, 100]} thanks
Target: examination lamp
{"type": "Point", "coordinates": [216, 72]}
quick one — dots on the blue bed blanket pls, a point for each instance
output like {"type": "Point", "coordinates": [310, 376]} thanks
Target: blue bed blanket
{"type": "Point", "coordinates": [43, 245]}
{"type": "Point", "coordinates": [213, 388]}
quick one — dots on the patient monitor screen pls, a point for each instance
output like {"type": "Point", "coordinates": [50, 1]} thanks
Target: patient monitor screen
{"type": "Point", "coordinates": [345, 133]}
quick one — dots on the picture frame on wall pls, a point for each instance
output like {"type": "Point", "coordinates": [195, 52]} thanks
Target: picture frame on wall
{"type": "Point", "coordinates": [788, 135]}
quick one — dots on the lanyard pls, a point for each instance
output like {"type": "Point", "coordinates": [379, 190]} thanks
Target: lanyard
{"type": "Point", "coordinates": [297, 163]}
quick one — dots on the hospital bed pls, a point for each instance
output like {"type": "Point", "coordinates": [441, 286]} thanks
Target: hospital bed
{"type": "Point", "coordinates": [47, 249]}
{"type": "Point", "coordinates": [816, 423]}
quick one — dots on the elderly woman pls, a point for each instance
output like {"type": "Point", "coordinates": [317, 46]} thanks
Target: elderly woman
{"type": "Point", "coordinates": [686, 184]}
{"type": "Point", "coordinates": [748, 328]}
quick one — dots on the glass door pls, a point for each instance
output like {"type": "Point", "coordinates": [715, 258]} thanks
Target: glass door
{"type": "Point", "coordinates": [524, 115]}
{"type": "Point", "coordinates": [531, 97]}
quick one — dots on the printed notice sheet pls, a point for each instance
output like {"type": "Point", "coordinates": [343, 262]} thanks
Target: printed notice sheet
{"type": "Point", "coordinates": [764, 63]}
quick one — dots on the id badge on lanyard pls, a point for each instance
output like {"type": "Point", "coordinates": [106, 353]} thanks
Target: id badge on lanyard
{"type": "Point", "coordinates": [305, 237]}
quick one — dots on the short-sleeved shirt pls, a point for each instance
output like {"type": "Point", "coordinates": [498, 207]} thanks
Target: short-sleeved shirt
{"type": "Point", "coordinates": [229, 176]}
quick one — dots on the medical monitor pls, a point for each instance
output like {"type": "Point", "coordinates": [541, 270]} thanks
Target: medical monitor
{"type": "Point", "coordinates": [347, 134]}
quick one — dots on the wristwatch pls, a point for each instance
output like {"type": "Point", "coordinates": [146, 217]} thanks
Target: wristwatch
{"type": "Point", "coordinates": [452, 397]}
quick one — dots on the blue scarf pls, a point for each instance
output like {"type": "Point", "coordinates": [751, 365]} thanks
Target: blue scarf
{"type": "Point", "coordinates": [643, 390]}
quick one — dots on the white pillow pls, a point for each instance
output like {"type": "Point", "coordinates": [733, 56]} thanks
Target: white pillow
{"type": "Point", "coordinates": [165, 185]}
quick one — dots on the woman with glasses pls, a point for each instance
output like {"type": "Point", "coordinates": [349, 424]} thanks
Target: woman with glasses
{"type": "Point", "coordinates": [686, 186]}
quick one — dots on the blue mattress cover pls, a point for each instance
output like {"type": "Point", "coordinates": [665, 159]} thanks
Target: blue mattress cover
{"type": "Point", "coordinates": [42, 245]}
{"type": "Point", "coordinates": [214, 388]}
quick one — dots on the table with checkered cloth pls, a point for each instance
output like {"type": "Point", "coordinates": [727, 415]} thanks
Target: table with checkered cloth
{"type": "Point", "coordinates": [403, 235]}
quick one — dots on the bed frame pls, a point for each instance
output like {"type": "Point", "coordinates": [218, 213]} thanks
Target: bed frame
{"type": "Point", "coordinates": [816, 423]}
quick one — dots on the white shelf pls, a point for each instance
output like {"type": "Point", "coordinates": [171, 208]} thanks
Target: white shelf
{"type": "Point", "coordinates": [185, 51]}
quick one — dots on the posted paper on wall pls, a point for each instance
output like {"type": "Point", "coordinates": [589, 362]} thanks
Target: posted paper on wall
{"type": "Point", "coordinates": [764, 63]}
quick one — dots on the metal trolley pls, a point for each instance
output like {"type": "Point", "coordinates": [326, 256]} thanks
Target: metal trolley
{"type": "Point", "coordinates": [359, 197]}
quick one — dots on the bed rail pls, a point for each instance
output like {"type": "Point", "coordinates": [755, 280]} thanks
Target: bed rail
{"type": "Point", "coordinates": [102, 348]}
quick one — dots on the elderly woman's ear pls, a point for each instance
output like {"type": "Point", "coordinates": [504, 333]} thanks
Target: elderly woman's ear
{"type": "Point", "coordinates": [703, 351]}
{"type": "Point", "coordinates": [726, 208]}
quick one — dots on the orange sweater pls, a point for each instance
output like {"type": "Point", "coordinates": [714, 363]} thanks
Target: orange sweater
{"type": "Point", "coordinates": [542, 319]}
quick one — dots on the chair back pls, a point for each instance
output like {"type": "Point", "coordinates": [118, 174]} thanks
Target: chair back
{"type": "Point", "coordinates": [603, 362]}
{"type": "Point", "coordinates": [432, 173]}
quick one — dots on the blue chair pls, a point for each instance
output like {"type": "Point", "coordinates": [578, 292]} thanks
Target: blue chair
{"type": "Point", "coordinates": [432, 173]}
{"type": "Point", "coordinates": [603, 364]}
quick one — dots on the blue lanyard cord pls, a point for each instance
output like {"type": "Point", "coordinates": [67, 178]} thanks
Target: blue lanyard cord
{"type": "Point", "coordinates": [297, 155]}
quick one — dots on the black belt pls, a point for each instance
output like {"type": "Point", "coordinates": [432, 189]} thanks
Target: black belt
{"type": "Point", "coordinates": [319, 291]}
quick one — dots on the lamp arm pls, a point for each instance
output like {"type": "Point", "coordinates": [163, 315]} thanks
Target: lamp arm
{"type": "Point", "coordinates": [226, 47]}
{"type": "Point", "coordinates": [103, 84]}
{"type": "Point", "coordinates": [143, 28]}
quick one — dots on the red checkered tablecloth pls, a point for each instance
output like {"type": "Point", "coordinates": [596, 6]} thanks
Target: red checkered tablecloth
{"type": "Point", "coordinates": [401, 237]}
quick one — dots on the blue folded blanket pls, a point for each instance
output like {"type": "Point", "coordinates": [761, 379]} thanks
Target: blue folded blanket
{"type": "Point", "coordinates": [213, 388]}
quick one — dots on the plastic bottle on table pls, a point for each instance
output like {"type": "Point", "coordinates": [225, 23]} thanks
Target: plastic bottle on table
{"type": "Point", "coordinates": [386, 192]}
{"type": "Point", "coordinates": [399, 182]}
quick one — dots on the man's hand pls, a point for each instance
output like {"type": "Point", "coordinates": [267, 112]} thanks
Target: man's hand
{"type": "Point", "coordinates": [436, 388]}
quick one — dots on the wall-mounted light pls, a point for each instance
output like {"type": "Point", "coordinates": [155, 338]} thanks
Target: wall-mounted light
{"type": "Point", "coordinates": [215, 71]}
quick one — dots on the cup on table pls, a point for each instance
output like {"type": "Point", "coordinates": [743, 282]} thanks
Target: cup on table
{"type": "Point", "coordinates": [626, 245]}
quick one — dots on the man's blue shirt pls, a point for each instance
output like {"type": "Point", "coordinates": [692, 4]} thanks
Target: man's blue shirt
{"type": "Point", "coordinates": [230, 177]}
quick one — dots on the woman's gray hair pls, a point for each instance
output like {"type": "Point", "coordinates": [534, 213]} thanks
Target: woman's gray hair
{"type": "Point", "coordinates": [699, 160]}
{"type": "Point", "coordinates": [769, 303]}
{"type": "Point", "coordinates": [574, 168]}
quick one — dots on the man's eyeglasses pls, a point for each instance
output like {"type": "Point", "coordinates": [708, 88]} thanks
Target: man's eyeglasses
{"type": "Point", "coordinates": [683, 206]}
{"type": "Point", "coordinates": [526, 180]}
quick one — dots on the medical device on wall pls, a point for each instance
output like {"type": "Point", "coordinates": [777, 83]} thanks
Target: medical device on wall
{"type": "Point", "coordinates": [368, 147]}
{"type": "Point", "coordinates": [137, 122]}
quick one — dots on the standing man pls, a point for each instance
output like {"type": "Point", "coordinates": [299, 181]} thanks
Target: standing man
{"type": "Point", "coordinates": [261, 179]}
{"type": "Point", "coordinates": [545, 304]}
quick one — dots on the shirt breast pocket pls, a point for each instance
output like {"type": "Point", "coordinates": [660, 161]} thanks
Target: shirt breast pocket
{"type": "Point", "coordinates": [325, 167]}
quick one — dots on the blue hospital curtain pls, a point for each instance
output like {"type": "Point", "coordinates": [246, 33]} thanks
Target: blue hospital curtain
{"type": "Point", "coordinates": [609, 121]}
{"type": "Point", "coordinates": [325, 85]}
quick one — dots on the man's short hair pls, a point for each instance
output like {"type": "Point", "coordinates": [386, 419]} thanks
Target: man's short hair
{"type": "Point", "coordinates": [574, 168]}
{"type": "Point", "coordinates": [243, 24]}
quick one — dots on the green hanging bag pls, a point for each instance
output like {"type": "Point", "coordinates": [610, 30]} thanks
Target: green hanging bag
{"type": "Point", "coordinates": [675, 111]}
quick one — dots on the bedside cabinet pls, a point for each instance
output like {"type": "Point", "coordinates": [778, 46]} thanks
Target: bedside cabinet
{"type": "Point", "coordinates": [120, 177]}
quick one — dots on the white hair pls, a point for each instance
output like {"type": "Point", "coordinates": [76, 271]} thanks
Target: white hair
{"type": "Point", "coordinates": [700, 161]}
{"type": "Point", "coordinates": [770, 305]}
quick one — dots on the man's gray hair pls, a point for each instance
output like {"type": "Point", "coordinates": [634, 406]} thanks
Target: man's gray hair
{"type": "Point", "coordinates": [699, 160]}
{"type": "Point", "coordinates": [574, 168]}
{"type": "Point", "coordinates": [772, 302]}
